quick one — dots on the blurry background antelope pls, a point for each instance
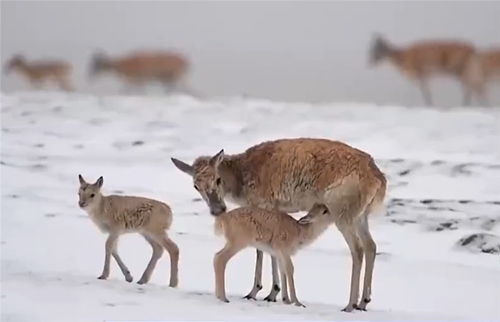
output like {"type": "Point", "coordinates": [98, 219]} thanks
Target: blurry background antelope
{"type": "Point", "coordinates": [42, 72]}
{"type": "Point", "coordinates": [298, 51]}
{"type": "Point", "coordinates": [423, 60]}
{"type": "Point", "coordinates": [140, 68]}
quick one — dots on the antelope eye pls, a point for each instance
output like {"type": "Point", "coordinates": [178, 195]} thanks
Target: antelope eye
{"type": "Point", "coordinates": [218, 181]}
{"type": "Point", "coordinates": [196, 187]}
{"type": "Point", "coordinates": [325, 211]}
{"type": "Point", "coordinates": [92, 195]}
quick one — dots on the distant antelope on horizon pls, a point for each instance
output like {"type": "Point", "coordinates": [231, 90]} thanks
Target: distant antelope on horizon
{"type": "Point", "coordinates": [42, 71]}
{"type": "Point", "coordinates": [140, 68]}
{"type": "Point", "coordinates": [425, 59]}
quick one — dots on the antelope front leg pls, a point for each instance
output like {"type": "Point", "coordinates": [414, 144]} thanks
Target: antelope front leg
{"type": "Point", "coordinates": [426, 92]}
{"type": "Point", "coordinates": [220, 262]}
{"type": "Point", "coordinates": [109, 246]}
{"type": "Point", "coordinates": [284, 284]}
{"type": "Point", "coordinates": [276, 288]}
{"type": "Point", "coordinates": [257, 282]}
{"type": "Point", "coordinates": [123, 267]}
{"type": "Point", "coordinates": [288, 264]}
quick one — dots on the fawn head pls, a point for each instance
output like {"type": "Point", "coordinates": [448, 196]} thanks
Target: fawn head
{"type": "Point", "coordinates": [89, 193]}
{"type": "Point", "coordinates": [207, 180]}
{"type": "Point", "coordinates": [316, 213]}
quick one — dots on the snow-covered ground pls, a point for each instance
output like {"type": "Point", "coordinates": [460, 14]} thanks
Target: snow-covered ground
{"type": "Point", "coordinates": [443, 166]}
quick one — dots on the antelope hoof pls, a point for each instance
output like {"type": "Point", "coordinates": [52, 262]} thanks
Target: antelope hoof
{"type": "Point", "coordinates": [173, 284]}
{"type": "Point", "coordinates": [142, 281]}
{"type": "Point", "coordinates": [223, 299]}
{"type": "Point", "coordinates": [350, 307]}
{"type": "Point", "coordinates": [129, 278]}
{"type": "Point", "coordinates": [362, 305]}
{"type": "Point", "coordinates": [102, 277]}
{"type": "Point", "coordinates": [287, 300]}
{"type": "Point", "coordinates": [270, 298]}
{"type": "Point", "coordinates": [250, 297]}
{"type": "Point", "coordinates": [299, 304]}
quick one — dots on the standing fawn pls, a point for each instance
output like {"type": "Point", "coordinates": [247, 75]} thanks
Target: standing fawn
{"type": "Point", "coordinates": [139, 68]}
{"type": "Point", "coordinates": [41, 71]}
{"type": "Point", "coordinates": [292, 175]}
{"type": "Point", "coordinates": [272, 231]}
{"type": "Point", "coordinates": [423, 60]}
{"type": "Point", "coordinates": [117, 215]}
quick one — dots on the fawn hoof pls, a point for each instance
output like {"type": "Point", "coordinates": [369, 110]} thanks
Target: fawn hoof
{"type": "Point", "coordinates": [141, 281]}
{"type": "Point", "coordinates": [299, 304]}
{"type": "Point", "coordinates": [129, 278]}
{"type": "Point", "coordinates": [249, 297]}
{"type": "Point", "coordinates": [173, 284]}
{"type": "Point", "coordinates": [287, 300]}
{"type": "Point", "coordinates": [223, 299]}
{"type": "Point", "coordinates": [102, 277]}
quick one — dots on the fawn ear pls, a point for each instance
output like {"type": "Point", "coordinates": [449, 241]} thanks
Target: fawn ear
{"type": "Point", "coordinates": [82, 181]}
{"type": "Point", "coordinates": [99, 182]}
{"type": "Point", "coordinates": [184, 167]}
{"type": "Point", "coordinates": [217, 159]}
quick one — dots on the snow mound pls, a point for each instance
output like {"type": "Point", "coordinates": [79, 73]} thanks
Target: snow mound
{"type": "Point", "coordinates": [480, 243]}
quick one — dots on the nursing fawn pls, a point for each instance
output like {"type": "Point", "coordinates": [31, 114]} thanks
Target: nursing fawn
{"type": "Point", "coordinates": [271, 231]}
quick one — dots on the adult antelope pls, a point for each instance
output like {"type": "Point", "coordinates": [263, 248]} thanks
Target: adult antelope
{"type": "Point", "coordinates": [292, 175]}
{"type": "Point", "coordinates": [38, 72]}
{"type": "Point", "coordinates": [423, 60]}
{"type": "Point", "coordinates": [139, 68]}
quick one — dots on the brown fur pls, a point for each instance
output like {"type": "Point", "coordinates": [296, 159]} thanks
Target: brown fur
{"type": "Point", "coordinates": [485, 70]}
{"type": "Point", "coordinates": [490, 63]}
{"type": "Point", "coordinates": [38, 72]}
{"type": "Point", "coordinates": [272, 231]}
{"type": "Point", "coordinates": [423, 60]}
{"type": "Point", "coordinates": [293, 175]}
{"type": "Point", "coordinates": [117, 215]}
{"type": "Point", "coordinates": [137, 68]}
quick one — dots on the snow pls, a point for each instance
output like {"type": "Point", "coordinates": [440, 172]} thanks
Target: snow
{"type": "Point", "coordinates": [443, 167]}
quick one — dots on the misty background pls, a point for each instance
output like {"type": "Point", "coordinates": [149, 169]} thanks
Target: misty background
{"type": "Point", "coordinates": [293, 51]}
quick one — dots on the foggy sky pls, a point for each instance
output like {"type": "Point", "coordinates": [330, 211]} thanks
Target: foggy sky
{"type": "Point", "coordinates": [307, 51]}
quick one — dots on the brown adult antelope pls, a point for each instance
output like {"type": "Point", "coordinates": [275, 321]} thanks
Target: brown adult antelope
{"type": "Point", "coordinates": [38, 72]}
{"type": "Point", "coordinates": [423, 60]}
{"type": "Point", "coordinates": [292, 175]}
{"type": "Point", "coordinates": [139, 68]}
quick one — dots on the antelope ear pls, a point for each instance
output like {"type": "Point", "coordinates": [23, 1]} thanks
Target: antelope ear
{"type": "Point", "coordinates": [217, 159]}
{"type": "Point", "coordinates": [99, 182]}
{"type": "Point", "coordinates": [82, 181]}
{"type": "Point", "coordinates": [184, 167]}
